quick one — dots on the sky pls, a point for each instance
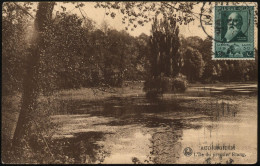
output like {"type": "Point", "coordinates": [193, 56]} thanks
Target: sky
{"type": "Point", "coordinates": [99, 16]}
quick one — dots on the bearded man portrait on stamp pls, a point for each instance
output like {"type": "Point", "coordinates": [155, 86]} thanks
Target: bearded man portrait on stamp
{"type": "Point", "coordinates": [234, 31]}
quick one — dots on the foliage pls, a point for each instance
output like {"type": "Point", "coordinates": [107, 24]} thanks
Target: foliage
{"type": "Point", "coordinates": [76, 55]}
{"type": "Point", "coordinates": [14, 47]}
{"type": "Point", "coordinates": [193, 64]}
{"type": "Point", "coordinates": [35, 149]}
{"type": "Point", "coordinates": [164, 46]}
{"type": "Point", "coordinates": [164, 54]}
{"type": "Point", "coordinates": [120, 57]}
{"type": "Point", "coordinates": [83, 56]}
{"type": "Point", "coordinates": [158, 85]}
{"type": "Point", "coordinates": [179, 83]}
{"type": "Point", "coordinates": [225, 70]}
{"type": "Point", "coordinates": [139, 13]}
{"type": "Point", "coordinates": [65, 53]}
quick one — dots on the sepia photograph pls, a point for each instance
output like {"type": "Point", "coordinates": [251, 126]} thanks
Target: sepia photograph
{"type": "Point", "coordinates": [129, 82]}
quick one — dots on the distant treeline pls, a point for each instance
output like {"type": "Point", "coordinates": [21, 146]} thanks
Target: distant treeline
{"type": "Point", "coordinates": [219, 70]}
{"type": "Point", "coordinates": [79, 54]}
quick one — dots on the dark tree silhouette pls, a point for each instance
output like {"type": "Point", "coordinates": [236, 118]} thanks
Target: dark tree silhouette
{"type": "Point", "coordinates": [165, 45]}
{"type": "Point", "coordinates": [30, 82]}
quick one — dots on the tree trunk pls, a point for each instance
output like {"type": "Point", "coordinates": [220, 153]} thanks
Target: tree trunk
{"type": "Point", "coordinates": [30, 82]}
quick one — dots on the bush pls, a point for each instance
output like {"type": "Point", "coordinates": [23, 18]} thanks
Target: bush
{"type": "Point", "coordinates": [166, 84]}
{"type": "Point", "coordinates": [152, 87]}
{"type": "Point", "coordinates": [179, 83]}
{"type": "Point", "coordinates": [152, 94]}
{"type": "Point", "coordinates": [159, 85]}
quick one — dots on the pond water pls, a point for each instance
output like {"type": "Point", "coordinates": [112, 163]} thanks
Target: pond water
{"type": "Point", "coordinates": [137, 130]}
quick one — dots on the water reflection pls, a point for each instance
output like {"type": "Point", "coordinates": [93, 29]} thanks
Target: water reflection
{"type": "Point", "coordinates": [166, 146]}
{"type": "Point", "coordinates": [83, 147]}
{"type": "Point", "coordinates": [136, 130]}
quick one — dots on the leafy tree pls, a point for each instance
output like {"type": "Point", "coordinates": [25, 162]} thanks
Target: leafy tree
{"type": "Point", "coordinates": [195, 42]}
{"type": "Point", "coordinates": [142, 61]}
{"type": "Point", "coordinates": [30, 81]}
{"type": "Point", "coordinates": [164, 55]}
{"type": "Point", "coordinates": [210, 73]}
{"type": "Point", "coordinates": [193, 64]}
{"type": "Point", "coordinates": [67, 53]}
{"type": "Point", "coordinates": [14, 27]}
{"type": "Point", "coordinates": [205, 47]}
{"type": "Point", "coordinates": [139, 13]}
{"type": "Point", "coordinates": [120, 58]}
{"type": "Point", "coordinates": [165, 45]}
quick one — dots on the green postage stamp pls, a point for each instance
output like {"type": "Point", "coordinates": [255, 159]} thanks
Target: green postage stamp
{"type": "Point", "coordinates": [233, 33]}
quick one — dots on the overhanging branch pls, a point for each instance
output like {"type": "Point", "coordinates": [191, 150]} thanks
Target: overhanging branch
{"type": "Point", "coordinates": [24, 10]}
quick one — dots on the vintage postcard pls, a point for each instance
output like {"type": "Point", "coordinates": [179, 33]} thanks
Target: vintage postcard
{"type": "Point", "coordinates": [234, 32]}
{"type": "Point", "coordinates": [129, 82]}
